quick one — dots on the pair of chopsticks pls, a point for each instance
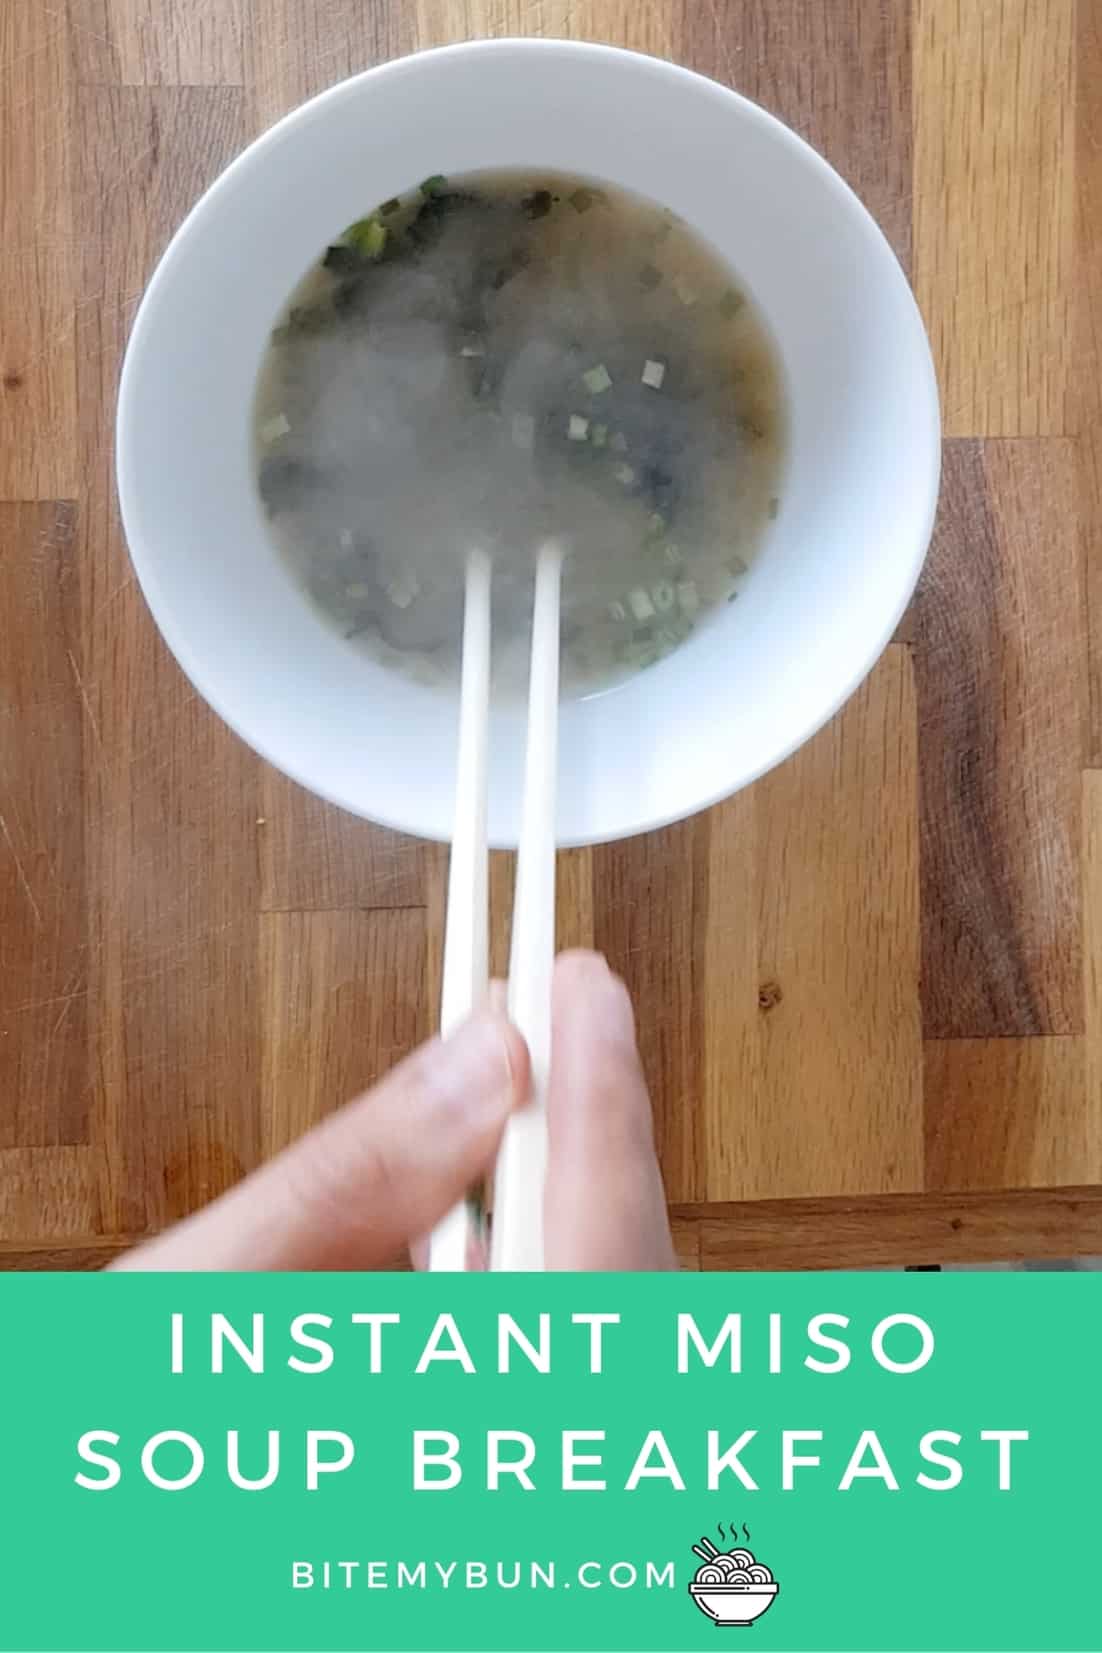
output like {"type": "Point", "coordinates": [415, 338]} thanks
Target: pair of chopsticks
{"type": "Point", "coordinates": [517, 1233]}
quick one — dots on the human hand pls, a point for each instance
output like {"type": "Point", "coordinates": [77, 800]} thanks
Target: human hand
{"type": "Point", "coordinates": [380, 1173]}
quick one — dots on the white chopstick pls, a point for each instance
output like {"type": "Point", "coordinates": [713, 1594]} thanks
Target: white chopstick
{"type": "Point", "coordinates": [466, 935]}
{"type": "Point", "coordinates": [517, 1232]}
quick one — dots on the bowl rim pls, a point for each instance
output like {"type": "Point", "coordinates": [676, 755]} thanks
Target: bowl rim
{"type": "Point", "coordinates": [734, 1589]}
{"type": "Point", "coordinates": [189, 655]}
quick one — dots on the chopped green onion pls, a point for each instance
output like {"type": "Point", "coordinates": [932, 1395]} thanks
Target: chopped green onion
{"type": "Point", "coordinates": [599, 435]}
{"type": "Point", "coordinates": [673, 555]}
{"type": "Point", "coordinates": [272, 429]}
{"type": "Point", "coordinates": [617, 611]}
{"type": "Point", "coordinates": [433, 185]}
{"type": "Point", "coordinates": [393, 205]}
{"type": "Point", "coordinates": [524, 430]}
{"type": "Point", "coordinates": [620, 442]}
{"type": "Point", "coordinates": [663, 596]}
{"type": "Point", "coordinates": [640, 604]}
{"type": "Point", "coordinates": [597, 378]}
{"type": "Point", "coordinates": [731, 303]}
{"type": "Point", "coordinates": [639, 655]}
{"type": "Point", "coordinates": [649, 277]}
{"type": "Point", "coordinates": [736, 565]}
{"type": "Point", "coordinates": [688, 599]}
{"type": "Point", "coordinates": [653, 373]}
{"type": "Point", "coordinates": [578, 428]}
{"type": "Point", "coordinates": [582, 199]}
{"type": "Point", "coordinates": [404, 589]}
{"type": "Point", "coordinates": [368, 236]}
{"type": "Point", "coordinates": [624, 474]}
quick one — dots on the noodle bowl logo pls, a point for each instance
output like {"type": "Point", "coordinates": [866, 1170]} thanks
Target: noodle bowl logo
{"type": "Point", "coordinates": [731, 1586]}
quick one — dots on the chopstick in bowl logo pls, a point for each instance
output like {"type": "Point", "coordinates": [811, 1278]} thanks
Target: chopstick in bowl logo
{"type": "Point", "coordinates": [731, 1586]}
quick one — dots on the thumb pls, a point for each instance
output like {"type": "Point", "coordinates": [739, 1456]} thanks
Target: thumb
{"type": "Point", "coordinates": [604, 1206]}
{"type": "Point", "coordinates": [355, 1190]}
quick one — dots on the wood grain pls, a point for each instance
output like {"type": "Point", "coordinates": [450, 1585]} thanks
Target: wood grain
{"type": "Point", "coordinates": [649, 28]}
{"type": "Point", "coordinates": [197, 959]}
{"type": "Point", "coordinates": [900, 1231]}
{"type": "Point", "coordinates": [1092, 949]}
{"type": "Point", "coordinates": [49, 1193]}
{"type": "Point", "coordinates": [1000, 668]}
{"type": "Point", "coordinates": [1086, 383]}
{"type": "Point", "coordinates": [171, 797]}
{"type": "Point", "coordinates": [294, 49]}
{"type": "Point", "coordinates": [133, 43]}
{"type": "Point", "coordinates": [81, 1259]}
{"type": "Point", "coordinates": [650, 907]}
{"type": "Point", "coordinates": [43, 920]}
{"type": "Point", "coordinates": [37, 385]}
{"type": "Point", "coordinates": [1009, 1113]}
{"type": "Point", "coordinates": [343, 1000]}
{"type": "Point", "coordinates": [993, 192]}
{"type": "Point", "coordinates": [314, 857]}
{"type": "Point", "coordinates": [838, 956]}
{"type": "Point", "coordinates": [840, 74]}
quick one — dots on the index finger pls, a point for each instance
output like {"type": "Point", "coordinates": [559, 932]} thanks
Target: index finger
{"type": "Point", "coordinates": [356, 1189]}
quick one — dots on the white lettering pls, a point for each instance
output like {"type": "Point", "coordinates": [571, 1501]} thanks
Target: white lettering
{"type": "Point", "coordinates": [302, 1337]}
{"type": "Point", "coordinates": [316, 1465]}
{"type": "Point", "coordinates": [86, 1450]}
{"type": "Point", "coordinates": [664, 1470]}
{"type": "Point", "coordinates": [445, 1458]}
{"type": "Point", "coordinates": [729, 1460]}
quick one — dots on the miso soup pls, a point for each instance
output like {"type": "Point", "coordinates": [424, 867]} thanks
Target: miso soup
{"type": "Point", "coordinates": [493, 359]}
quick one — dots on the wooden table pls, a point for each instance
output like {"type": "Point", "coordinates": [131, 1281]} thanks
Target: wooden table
{"type": "Point", "coordinates": [870, 987]}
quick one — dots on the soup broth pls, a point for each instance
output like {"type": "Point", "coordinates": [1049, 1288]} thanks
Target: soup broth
{"type": "Point", "coordinates": [496, 359]}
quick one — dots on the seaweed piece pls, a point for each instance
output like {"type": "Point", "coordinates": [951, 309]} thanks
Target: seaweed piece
{"type": "Point", "coordinates": [281, 479]}
{"type": "Point", "coordinates": [435, 185]}
{"type": "Point", "coordinates": [659, 486]}
{"type": "Point", "coordinates": [306, 320]}
{"type": "Point", "coordinates": [350, 298]}
{"type": "Point", "coordinates": [537, 205]}
{"type": "Point", "coordinates": [428, 225]}
{"type": "Point", "coordinates": [341, 259]}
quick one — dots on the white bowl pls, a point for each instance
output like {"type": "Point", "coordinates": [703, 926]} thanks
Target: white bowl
{"type": "Point", "coordinates": [858, 498]}
{"type": "Point", "coordinates": [734, 1603]}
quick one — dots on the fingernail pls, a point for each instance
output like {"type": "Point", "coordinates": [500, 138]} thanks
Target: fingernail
{"type": "Point", "coordinates": [498, 996]}
{"type": "Point", "coordinates": [614, 1008]}
{"type": "Point", "coordinates": [479, 1066]}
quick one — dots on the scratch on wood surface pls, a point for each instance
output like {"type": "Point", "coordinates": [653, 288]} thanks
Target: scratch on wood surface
{"type": "Point", "coordinates": [722, 47]}
{"type": "Point", "coordinates": [20, 874]}
{"type": "Point", "coordinates": [44, 1004]}
{"type": "Point", "coordinates": [84, 698]}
